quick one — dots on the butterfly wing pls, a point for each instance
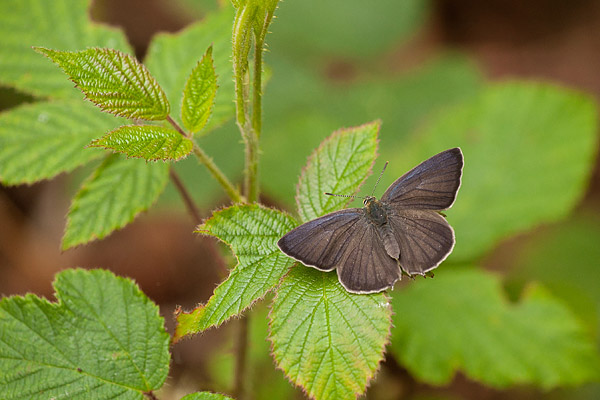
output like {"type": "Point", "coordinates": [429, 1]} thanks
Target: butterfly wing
{"type": "Point", "coordinates": [319, 243]}
{"type": "Point", "coordinates": [365, 266]}
{"type": "Point", "coordinates": [347, 241]}
{"type": "Point", "coordinates": [431, 185]}
{"type": "Point", "coordinates": [425, 239]}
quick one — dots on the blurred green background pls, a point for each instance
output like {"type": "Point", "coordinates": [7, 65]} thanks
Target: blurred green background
{"type": "Point", "coordinates": [335, 64]}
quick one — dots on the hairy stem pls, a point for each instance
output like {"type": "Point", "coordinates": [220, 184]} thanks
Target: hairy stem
{"type": "Point", "coordinates": [208, 162]}
{"type": "Point", "coordinates": [250, 131]}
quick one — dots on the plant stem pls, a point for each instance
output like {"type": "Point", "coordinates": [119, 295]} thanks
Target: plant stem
{"type": "Point", "coordinates": [241, 351]}
{"type": "Point", "coordinates": [176, 126]}
{"type": "Point", "coordinates": [208, 162]}
{"type": "Point", "coordinates": [185, 195]}
{"type": "Point", "coordinates": [250, 131]}
{"type": "Point", "coordinates": [257, 88]}
{"type": "Point", "coordinates": [231, 191]}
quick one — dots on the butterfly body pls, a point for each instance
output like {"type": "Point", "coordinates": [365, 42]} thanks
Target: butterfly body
{"type": "Point", "coordinates": [370, 247]}
{"type": "Point", "coordinates": [375, 211]}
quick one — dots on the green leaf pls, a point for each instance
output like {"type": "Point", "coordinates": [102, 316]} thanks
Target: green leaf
{"type": "Point", "coordinates": [59, 24]}
{"type": "Point", "coordinates": [171, 57]}
{"type": "Point", "coordinates": [461, 320]}
{"type": "Point", "coordinates": [103, 338]}
{"type": "Point", "coordinates": [252, 232]}
{"type": "Point", "coordinates": [40, 140]}
{"type": "Point", "coordinates": [326, 340]}
{"type": "Point", "coordinates": [147, 141]}
{"type": "Point", "coordinates": [206, 396]}
{"type": "Point", "coordinates": [512, 135]}
{"type": "Point", "coordinates": [114, 81]}
{"type": "Point", "coordinates": [199, 94]}
{"type": "Point", "coordinates": [564, 258]}
{"type": "Point", "coordinates": [339, 166]}
{"type": "Point", "coordinates": [265, 382]}
{"type": "Point", "coordinates": [116, 192]}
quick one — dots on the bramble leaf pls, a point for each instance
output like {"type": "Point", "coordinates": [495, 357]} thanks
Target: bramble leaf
{"type": "Point", "coordinates": [252, 232]}
{"type": "Point", "coordinates": [149, 142]}
{"type": "Point", "coordinates": [325, 339]}
{"type": "Point", "coordinates": [39, 141]}
{"type": "Point", "coordinates": [114, 81]}
{"type": "Point", "coordinates": [199, 94]}
{"type": "Point", "coordinates": [171, 57]}
{"type": "Point", "coordinates": [461, 320]}
{"type": "Point", "coordinates": [340, 165]}
{"type": "Point", "coordinates": [512, 135]}
{"type": "Point", "coordinates": [58, 24]}
{"type": "Point", "coordinates": [206, 396]}
{"type": "Point", "coordinates": [103, 338]}
{"type": "Point", "coordinates": [116, 192]}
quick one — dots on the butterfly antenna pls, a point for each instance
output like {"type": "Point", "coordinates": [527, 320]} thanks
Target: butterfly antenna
{"type": "Point", "coordinates": [343, 195]}
{"type": "Point", "coordinates": [378, 179]}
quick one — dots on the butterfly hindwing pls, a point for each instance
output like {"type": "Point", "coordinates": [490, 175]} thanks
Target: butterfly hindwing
{"type": "Point", "coordinates": [365, 266]}
{"type": "Point", "coordinates": [431, 185]}
{"type": "Point", "coordinates": [425, 239]}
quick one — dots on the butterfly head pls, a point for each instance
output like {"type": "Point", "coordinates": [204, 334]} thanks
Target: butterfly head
{"type": "Point", "coordinates": [369, 200]}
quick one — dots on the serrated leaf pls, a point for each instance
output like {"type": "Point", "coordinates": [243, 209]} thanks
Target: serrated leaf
{"type": "Point", "coordinates": [40, 140]}
{"type": "Point", "coordinates": [461, 320]}
{"type": "Point", "coordinates": [116, 192]}
{"type": "Point", "coordinates": [171, 57]}
{"type": "Point", "coordinates": [59, 24]}
{"type": "Point", "coordinates": [206, 396]}
{"type": "Point", "coordinates": [340, 164]}
{"type": "Point", "coordinates": [103, 338]}
{"type": "Point", "coordinates": [149, 142]}
{"type": "Point", "coordinates": [252, 231]}
{"type": "Point", "coordinates": [512, 135]}
{"type": "Point", "coordinates": [199, 94]}
{"type": "Point", "coordinates": [114, 81]}
{"type": "Point", "coordinates": [267, 383]}
{"type": "Point", "coordinates": [326, 340]}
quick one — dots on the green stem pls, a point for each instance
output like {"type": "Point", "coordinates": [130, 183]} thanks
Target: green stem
{"type": "Point", "coordinates": [208, 162]}
{"type": "Point", "coordinates": [257, 88]}
{"type": "Point", "coordinates": [241, 350]}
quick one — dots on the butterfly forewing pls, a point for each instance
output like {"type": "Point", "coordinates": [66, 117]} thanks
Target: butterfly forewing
{"type": "Point", "coordinates": [425, 239]}
{"type": "Point", "coordinates": [431, 185]}
{"type": "Point", "coordinates": [320, 243]}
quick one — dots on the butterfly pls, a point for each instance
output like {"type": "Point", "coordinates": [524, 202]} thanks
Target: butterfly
{"type": "Point", "coordinates": [371, 247]}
